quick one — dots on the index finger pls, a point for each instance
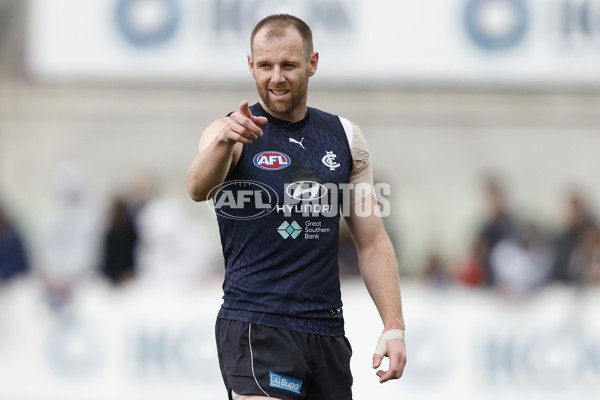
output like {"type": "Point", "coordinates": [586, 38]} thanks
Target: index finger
{"type": "Point", "coordinates": [244, 109]}
{"type": "Point", "coordinates": [394, 371]}
{"type": "Point", "coordinates": [245, 123]}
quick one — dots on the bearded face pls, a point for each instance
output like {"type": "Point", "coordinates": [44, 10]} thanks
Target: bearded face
{"type": "Point", "coordinates": [281, 68]}
{"type": "Point", "coordinates": [283, 99]}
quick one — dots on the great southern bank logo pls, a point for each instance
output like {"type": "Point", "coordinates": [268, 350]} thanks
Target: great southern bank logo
{"type": "Point", "coordinates": [287, 230]}
{"type": "Point", "coordinates": [284, 382]}
{"type": "Point", "coordinates": [272, 160]}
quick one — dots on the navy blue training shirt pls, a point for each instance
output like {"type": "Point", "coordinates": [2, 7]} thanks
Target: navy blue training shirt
{"type": "Point", "coordinates": [278, 215]}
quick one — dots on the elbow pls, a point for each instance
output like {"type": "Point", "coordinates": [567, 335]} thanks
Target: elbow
{"type": "Point", "coordinates": [197, 198]}
{"type": "Point", "coordinates": [196, 193]}
{"type": "Point", "coordinates": [378, 243]}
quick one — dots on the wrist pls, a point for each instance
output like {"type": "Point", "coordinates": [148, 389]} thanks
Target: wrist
{"type": "Point", "coordinates": [396, 324]}
{"type": "Point", "coordinates": [393, 334]}
{"type": "Point", "coordinates": [225, 142]}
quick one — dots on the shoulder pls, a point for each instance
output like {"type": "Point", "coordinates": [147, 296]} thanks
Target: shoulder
{"type": "Point", "coordinates": [356, 138]}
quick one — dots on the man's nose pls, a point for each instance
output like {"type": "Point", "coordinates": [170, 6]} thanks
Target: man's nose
{"type": "Point", "coordinates": [277, 76]}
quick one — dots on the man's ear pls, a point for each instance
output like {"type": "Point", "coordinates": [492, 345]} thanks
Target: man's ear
{"type": "Point", "coordinates": [250, 64]}
{"type": "Point", "coordinates": [314, 60]}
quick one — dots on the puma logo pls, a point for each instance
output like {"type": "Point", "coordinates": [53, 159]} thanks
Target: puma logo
{"type": "Point", "coordinates": [292, 140]}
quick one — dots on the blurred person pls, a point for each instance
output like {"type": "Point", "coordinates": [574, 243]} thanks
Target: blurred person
{"type": "Point", "coordinates": [13, 255]}
{"type": "Point", "coordinates": [498, 225]}
{"type": "Point", "coordinates": [435, 272]}
{"type": "Point", "coordinates": [171, 250]}
{"type": "Point", "coordinates": [521, 262]}
{"type": "Point", "coordinates": [468, 271]}
{"type": "Point", "coordinates": [120, 240]}
{"type": "Point", "coordinates": [590, 254]}
{"type": "Point", "coordinates": [69, 239]}
{"type": "Point", "coordinates": [578, 221]}
{"type": "Point", "coordinates": [141, 189]}
{"type": "Point", "coordinates": [281, 320]}
{"type": "Point", "coordinates": [584, 262]}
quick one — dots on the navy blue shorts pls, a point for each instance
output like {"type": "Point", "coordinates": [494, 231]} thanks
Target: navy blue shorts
{"type": "Point", "coordinates": [263, 361]}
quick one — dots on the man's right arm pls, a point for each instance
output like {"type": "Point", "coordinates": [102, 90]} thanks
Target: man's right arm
{"type": "Point", "coordinates": [219, 149]}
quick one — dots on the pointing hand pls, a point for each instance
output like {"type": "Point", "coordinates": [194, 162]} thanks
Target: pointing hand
{"type": "Point", "coordinates": [243, 127]}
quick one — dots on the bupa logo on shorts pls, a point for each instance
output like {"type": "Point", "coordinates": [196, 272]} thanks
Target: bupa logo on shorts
{"type": "Point", "coordinates": [272, 160]}
{"type": "Point", "coordinates": [284, 382]}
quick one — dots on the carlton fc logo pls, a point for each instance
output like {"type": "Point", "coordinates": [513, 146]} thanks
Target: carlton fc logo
{"type": "Point", "coordinates": [329, 160]}
{"type": "Point", "coordinates": [272, 160]}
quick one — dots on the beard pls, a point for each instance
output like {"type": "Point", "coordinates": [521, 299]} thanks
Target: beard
{"type": "Point", "coordinates": [296, 99]}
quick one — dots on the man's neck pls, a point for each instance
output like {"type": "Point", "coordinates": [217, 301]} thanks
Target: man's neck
{"type": "Point", "coordinates": [297, 115]}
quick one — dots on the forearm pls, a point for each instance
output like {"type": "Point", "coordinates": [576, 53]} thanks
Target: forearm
{"type": "Point", "coordinates": [209, 169]}
{"type": "Point", "coordinates": [380, 273]}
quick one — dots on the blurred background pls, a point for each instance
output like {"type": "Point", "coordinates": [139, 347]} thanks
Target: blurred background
{"type": "Point", "coordinates": [482, 115]}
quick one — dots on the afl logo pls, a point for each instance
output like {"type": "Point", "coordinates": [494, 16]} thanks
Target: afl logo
{"type": "Point", "coordinates": [305, 190]}
{"type": "Point", "coordinates": [243, 200]}
{"type": "Point", "coordinates": [272, 160]}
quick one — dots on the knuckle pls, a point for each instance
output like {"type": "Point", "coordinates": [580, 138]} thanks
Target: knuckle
{"type": "Point", "coordinates": [236, 116]}
{"type": "Point", "coordinates": [230, 123]}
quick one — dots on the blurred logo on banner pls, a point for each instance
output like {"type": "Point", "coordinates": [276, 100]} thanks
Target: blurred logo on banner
{"type": "Point", "coordinates": [174, 351]}
{"type": "Point", "coordinates": [147, 22]}
{"type": "Point", "coordinates": [496, 24]}
{"type": "Point", "coordinates": [152, 23]}
{"type": "Point", "coordinates": [74, 348]}
{"type": "Point", "coordinates": [551, 359]}
{"type": "Point", "coordinates": [499, 25]}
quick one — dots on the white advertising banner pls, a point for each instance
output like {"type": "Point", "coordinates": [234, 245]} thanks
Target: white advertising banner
{"type": "Point", "coordinates": [146, 342]}
{"type": "Point", "coordinates": [515, 42]}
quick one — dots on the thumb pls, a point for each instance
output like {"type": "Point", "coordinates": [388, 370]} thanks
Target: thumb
{"type": "Point", "coordinates": [376, 360]}
{"type": "Point", "coordinates": [259, 121]}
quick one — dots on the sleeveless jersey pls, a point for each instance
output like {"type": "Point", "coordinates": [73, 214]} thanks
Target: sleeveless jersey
{"type": "Point", "coordinates": [278, 216]}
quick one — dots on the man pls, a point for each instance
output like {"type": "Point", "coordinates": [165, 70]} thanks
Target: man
{"type": "Point", "coordinates": [280, 332]}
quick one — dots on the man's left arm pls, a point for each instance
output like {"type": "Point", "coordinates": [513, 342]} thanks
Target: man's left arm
{"type": "Point", "coordinates": [377, 260]}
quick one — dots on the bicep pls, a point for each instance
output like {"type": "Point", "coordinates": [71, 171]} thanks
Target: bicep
{"type": "Point", "coordinates": [363, 219]}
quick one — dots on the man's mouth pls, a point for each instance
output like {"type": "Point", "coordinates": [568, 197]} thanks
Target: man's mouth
{"type": "Point", "coordinates": [279, 92]}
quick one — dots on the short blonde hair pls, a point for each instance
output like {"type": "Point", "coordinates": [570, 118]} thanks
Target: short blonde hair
{"type": "Point", "coordinates": [277, 24]}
